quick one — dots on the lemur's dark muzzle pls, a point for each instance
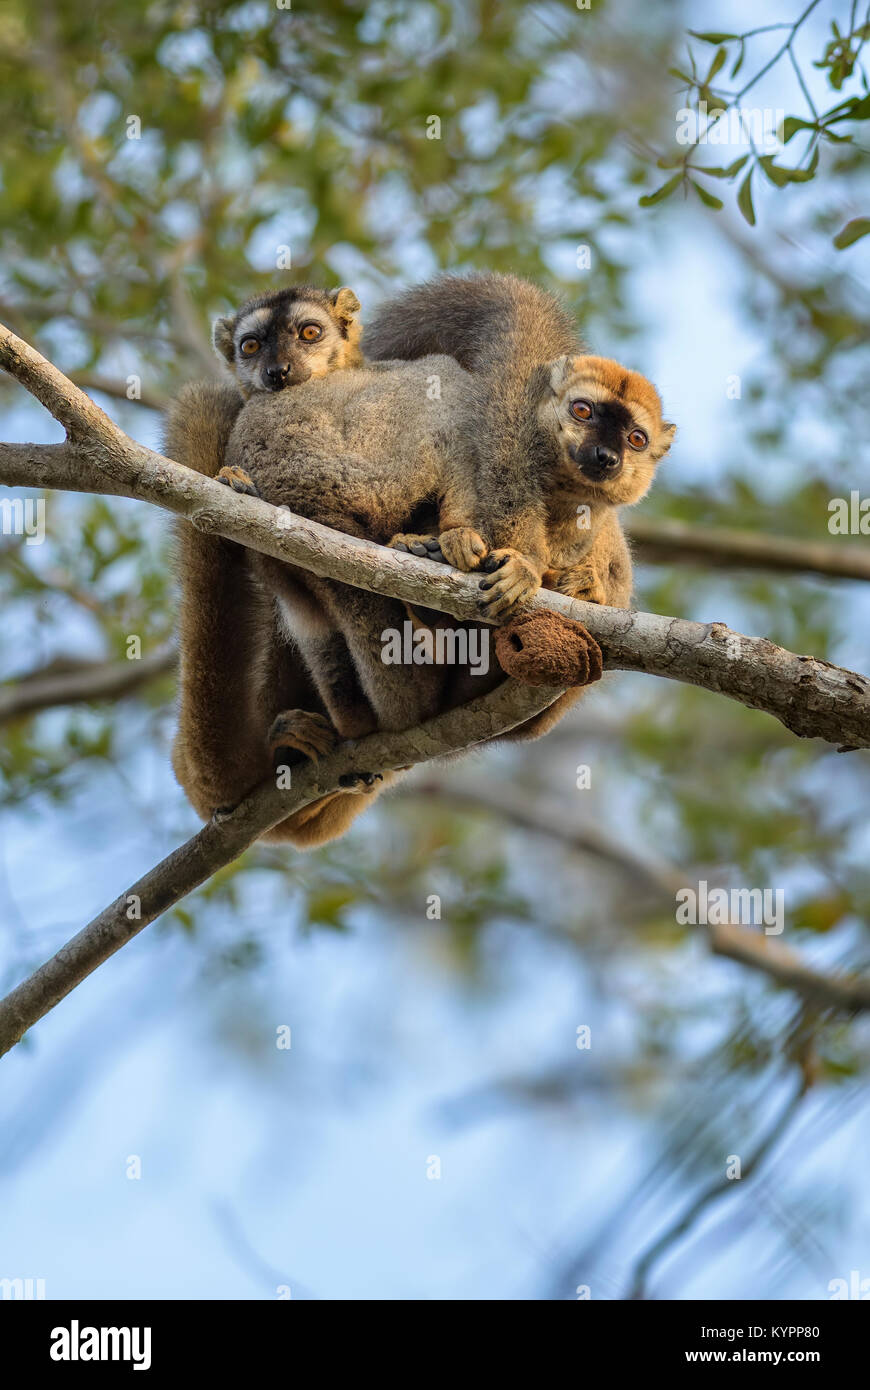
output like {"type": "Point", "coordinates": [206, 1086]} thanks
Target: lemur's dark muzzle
{"type": "Point", "coordinates": [596, 462]}
{"type": "Point", "coordinates": [276, 377]}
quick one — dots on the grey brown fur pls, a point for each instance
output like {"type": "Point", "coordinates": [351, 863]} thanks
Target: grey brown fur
{"type": "Point", "coordinates": [490, 462]}
{"type": "Point", "coordinates": [238, 672]}
{"type": "Point", "coordinates": [289, 336]}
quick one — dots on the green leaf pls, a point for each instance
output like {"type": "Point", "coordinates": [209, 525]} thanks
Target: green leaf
{"type": "Point", "coordinates": [781, 175]}
{"type": "Point", "coordinates": [852, 232]}
{"type": "Point", "coordinates": [792, 124]}
{"type": "Point", "coordinates": [649, 199]}
{"type": "Point", "coordinates": [776, 175]}
{"type": "Point", "coordinates": [182, 915]}
{"type": "Point", "coordinates": [713, 37]}
{"type": "Point", "coordinates": [744, 199]}
{"type": "Point", "coordinates": [822, 914]}
{"type": "Point", "coordinates": [326, 905]}
{"type": "Point", "coordinates": [804, 175]}
{"type": "Point", "coordinates": [855, 109]}
{"type": "Point", "coordinates": [708, 199]}
{"type": "Point", "coordinates": [717, 172]}
{"type": "Point", "coordinates": [717, 63]}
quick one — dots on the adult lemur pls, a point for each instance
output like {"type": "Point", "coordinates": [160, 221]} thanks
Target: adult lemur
{"type": "Point", "coordinates": [517, 464]}
{"type": "Point", "coordinates": [236, 671]}
{"type": "Point", "coordinates": [567, 437]}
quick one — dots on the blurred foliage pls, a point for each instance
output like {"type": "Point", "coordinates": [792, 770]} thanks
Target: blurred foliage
{"type": "Point", "coordinates": [156, 162]}
{"type": "Point", "coordinates": [840, 61]}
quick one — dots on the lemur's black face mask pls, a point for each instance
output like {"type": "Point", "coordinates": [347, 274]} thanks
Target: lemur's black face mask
{"type": "Point", "coordinates": [597, 462]}
{"type": "Point", "coordinates": [286, 348]}
{"type": "Point", "coordinates": [599, 454]}
{"type": "Point", "coordinates": [290, 337]}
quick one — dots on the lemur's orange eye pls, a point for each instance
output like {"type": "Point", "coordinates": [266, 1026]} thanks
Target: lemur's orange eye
{"type": "Point", "coordinates": [581, 410]}
{"type": "Point", "coordinates": [249, 346]}
{"type": "Point", "coordinates": [637, 439]}
{"type": "Point", "coordinates": [310, 332]}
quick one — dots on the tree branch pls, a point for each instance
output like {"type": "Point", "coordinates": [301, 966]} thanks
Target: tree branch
{"type": "Point", "coordinates": [540, 818]}
{"type": "Point", "coordinates": [186, 321]}
{"type": "Point", "coordinates": [117, 388]}
{"type": "Point", "coordinates": [849, 993]}
{"type": "Point", "coordinates": [664, 542]}
{"type": "Point", "coordinates": [718, 1188]}
{"type": "Point", "coordinates": [811, 698]}
{"type": "Point", "coordinates": [72, 684]}
{"type": "Point", "coordinates": [223, 839]}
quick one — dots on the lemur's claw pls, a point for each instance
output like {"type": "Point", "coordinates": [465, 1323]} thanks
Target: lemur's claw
{"type": "Point", "coordinates": [491, 563]}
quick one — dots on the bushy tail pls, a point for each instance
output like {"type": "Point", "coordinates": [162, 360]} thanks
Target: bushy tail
{"type": "Point", "coordinates": [489, 323]}
{"type": "Point", "coordinates": [199, 423]}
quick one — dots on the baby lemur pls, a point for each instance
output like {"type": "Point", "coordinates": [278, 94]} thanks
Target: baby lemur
{"type": "Point", "coordinates": [516, 464]}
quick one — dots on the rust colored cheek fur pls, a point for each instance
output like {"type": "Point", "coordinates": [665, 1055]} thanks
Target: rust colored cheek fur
{"type": "Point", "coordinates": [633, 483]}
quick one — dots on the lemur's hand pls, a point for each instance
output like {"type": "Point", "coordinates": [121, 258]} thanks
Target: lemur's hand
{"type": "Point", "coordinates": [583, 581]}
{"type": "Point", "coordinates": [515, 581]}
{"type": "Point", "coordinates": [427, 547]}
{"type": "Point", "coordinates": [463, 548]}
{"type": "Point", "coordinates": [303, 732]}
{"type": "Point", "coordinates": [238, 480]}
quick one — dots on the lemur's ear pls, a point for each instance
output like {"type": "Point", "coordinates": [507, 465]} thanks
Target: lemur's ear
{"type": "Point", "coordinates": [663, 441]}
{"type": "Point", "coordinates": [560, 369]}
{"type": "Point", "coordinates": [345, 304]}
{"type": "Point", "coordinates": [222, 337]}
